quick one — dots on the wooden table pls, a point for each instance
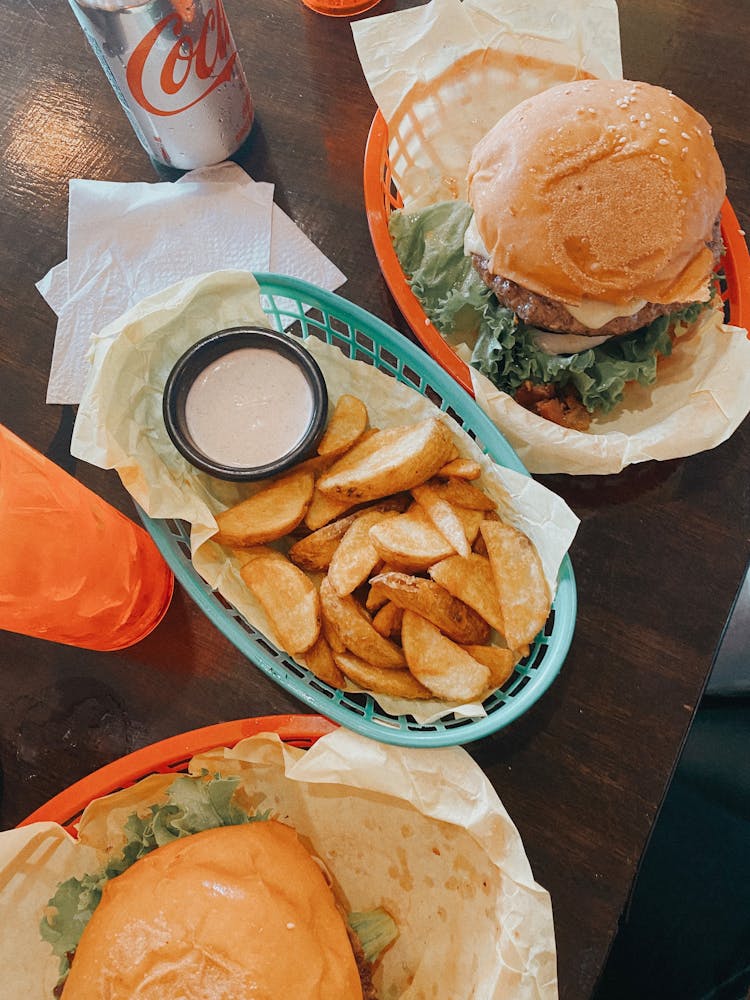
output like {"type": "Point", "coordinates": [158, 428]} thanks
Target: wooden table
{"type": "Point", "coordinates": [660, 550]}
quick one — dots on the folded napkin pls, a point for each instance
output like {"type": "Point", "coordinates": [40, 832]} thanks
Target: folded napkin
{"type": "Point", "coordinates": [128, 241]}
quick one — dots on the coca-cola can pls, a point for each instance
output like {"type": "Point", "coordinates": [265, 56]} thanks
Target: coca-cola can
{"type": "Point", "coordinates": [175, 69]}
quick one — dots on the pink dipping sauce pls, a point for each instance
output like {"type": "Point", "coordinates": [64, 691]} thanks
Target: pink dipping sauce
{"type": "Point", "coordinates": [248, 408]}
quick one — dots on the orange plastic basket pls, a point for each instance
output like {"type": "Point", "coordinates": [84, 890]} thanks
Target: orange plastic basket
{"type": "Point", "coordinates": [382, 197]}
{"type": "Point", "coordinates": [173, 755]}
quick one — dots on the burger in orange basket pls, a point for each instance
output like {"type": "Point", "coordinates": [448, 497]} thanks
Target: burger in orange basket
{"type": "Point", "coordinates": [593, 222]}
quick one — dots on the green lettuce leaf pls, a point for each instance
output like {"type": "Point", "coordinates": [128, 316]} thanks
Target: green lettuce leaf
{"type": "Point", "coordinates": [376, 930]}
{"type": "Point", "coordinates": [429, 246]}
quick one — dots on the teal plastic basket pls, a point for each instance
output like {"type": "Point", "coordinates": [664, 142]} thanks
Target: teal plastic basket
{"type": "Point", "coordinates": [304, 310]}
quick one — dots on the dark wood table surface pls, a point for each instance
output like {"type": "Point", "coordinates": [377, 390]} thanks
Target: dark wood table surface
{"type": "Point", "coordinates": [661, 547]}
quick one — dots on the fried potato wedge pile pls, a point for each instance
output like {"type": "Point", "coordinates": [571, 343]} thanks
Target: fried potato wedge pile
{"type": "Point", "coordinates": [382, 561]}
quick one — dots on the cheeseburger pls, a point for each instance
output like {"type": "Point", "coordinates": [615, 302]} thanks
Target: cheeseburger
{"type": "Point", "coordinates": [231, 912]}
{"type": "Point", "coordinates": [595, 215]}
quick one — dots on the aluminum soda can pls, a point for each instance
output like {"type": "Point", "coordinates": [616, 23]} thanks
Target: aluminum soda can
{"type": "Point", "coordinates": [175, 69]}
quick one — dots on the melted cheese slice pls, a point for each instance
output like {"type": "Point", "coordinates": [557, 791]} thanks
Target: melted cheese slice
{"type": "Point", "coordinates": [595, 314]}
{"type": "Point", "coordinates": [473, 242]}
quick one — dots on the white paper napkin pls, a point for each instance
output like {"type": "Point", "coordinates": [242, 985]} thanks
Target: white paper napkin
{"type": "Point", "coordinates": [127, 241]}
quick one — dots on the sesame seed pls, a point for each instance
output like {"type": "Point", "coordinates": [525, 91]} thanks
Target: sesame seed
{"type": "Point", "coordinates": [647, 116]}
{"type": "Point", "coordinates": [675, 119]}
{"type": "Point", "coordinates": [684, 135]}
{"type": "Point", "coordinates": [663, 131]}
{"type": "Point", "coordinates": [663, 142]}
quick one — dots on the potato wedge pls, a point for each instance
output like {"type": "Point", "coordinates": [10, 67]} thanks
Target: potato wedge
{"type": "Point", "coordinates": [319, 661]}
{"type": "Point", "coordinates": [388, 620]}
{"type": "Point", "coordinates": [390, 461]}
{"type": "Point", "coordinates": [245, 556]}
{"type": "Point", "coordinates": [497, 659]}
{"type": "Point", "coordinates": [289, 599]}
{"type": "Point", "coordinates": [314, 552]}
{"type": "Point", "coordinates": [324, 509]}
{"type": "Point", "coordinates": [432, 601]}
{"type": "Point", "coordinates": [519, 579]}
{"type": "Point", "coordinates": [411, 543]}
{"type": "Point", "coordinates": [396, 683]}
{"type": "Point", "coordinates": [439, 663]}
{"type": "Point", "coordinates": [330, 633]}
{"type": "Point", "coordinates": [353, 626]}
{"type": "Point", "coordinates": [355, 556]}
{"type": "Point", "coordinates": [269, 514]}
{"type": "Point", "coordinates": [461, 468]}
{"type": "Point", "coordinates": [444, 517]}
{"type": "Point", "coordinates": [470, 579]}
{"type": "Point", "coordinates": [462, 494]}
{"type": "Point", "coordinates": [375, 600]}
{"type": "Point", "coordinates": [346, 424]}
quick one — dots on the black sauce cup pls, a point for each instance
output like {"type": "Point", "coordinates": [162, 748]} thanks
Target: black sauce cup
{"type": "Point", "coordinates": [204, 353]}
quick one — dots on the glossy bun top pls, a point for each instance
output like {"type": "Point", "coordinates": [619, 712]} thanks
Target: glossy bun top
{"type": "Point", "coordinates": [600, 189]}
{"type": "Point", "coordinates": [238, 911]}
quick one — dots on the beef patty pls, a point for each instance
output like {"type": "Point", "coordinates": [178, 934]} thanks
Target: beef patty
{"type": "Point", "coordinates": [549, 314]}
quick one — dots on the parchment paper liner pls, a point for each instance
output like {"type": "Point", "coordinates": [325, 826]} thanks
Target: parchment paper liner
{"type": "Point", "coordinates": [120, 426]}
{"type": "Point", "coordinates": [421, 833]}
{"type": "Point", "coordinates": [442, 75]}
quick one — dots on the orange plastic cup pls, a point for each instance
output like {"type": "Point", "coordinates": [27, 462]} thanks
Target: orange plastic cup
{"type": "Point", "coordinates": [72, 568]}
{"type": "Point", "coordinates": [340, 8]}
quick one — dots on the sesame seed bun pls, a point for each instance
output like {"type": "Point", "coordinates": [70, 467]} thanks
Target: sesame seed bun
{"type": "Point", "coordinates": [238, 911]}
{"type": "Point", "coordinates": [603, 190]}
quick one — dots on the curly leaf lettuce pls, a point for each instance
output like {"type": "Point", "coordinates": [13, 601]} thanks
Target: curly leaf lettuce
{"type": "Point", "coordinates": [430, 247]}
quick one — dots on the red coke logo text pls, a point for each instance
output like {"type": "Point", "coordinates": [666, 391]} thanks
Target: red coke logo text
{"type": "Point", "coordinates": [210, 58]}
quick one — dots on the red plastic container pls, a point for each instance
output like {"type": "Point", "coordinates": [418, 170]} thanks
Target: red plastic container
{"type": "Point", "coordinates": [173, 754]}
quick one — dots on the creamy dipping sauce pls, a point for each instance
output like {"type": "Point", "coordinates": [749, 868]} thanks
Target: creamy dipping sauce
{"type": "Point", "coordinates": [248, 408]}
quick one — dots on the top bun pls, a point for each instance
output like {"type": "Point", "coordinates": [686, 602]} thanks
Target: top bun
{"type": "Point", "coordinates": [600, 189]}
{"type": "Point", "coordinates": [239, 911]}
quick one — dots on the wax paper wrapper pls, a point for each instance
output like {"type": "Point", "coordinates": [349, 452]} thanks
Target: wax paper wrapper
{"type": "Point", "coordinates": [423, 835]}
{"type": "Point", "coordinates": [120, 426]}
{"type": "Point", "coordinates": [442, 75]}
